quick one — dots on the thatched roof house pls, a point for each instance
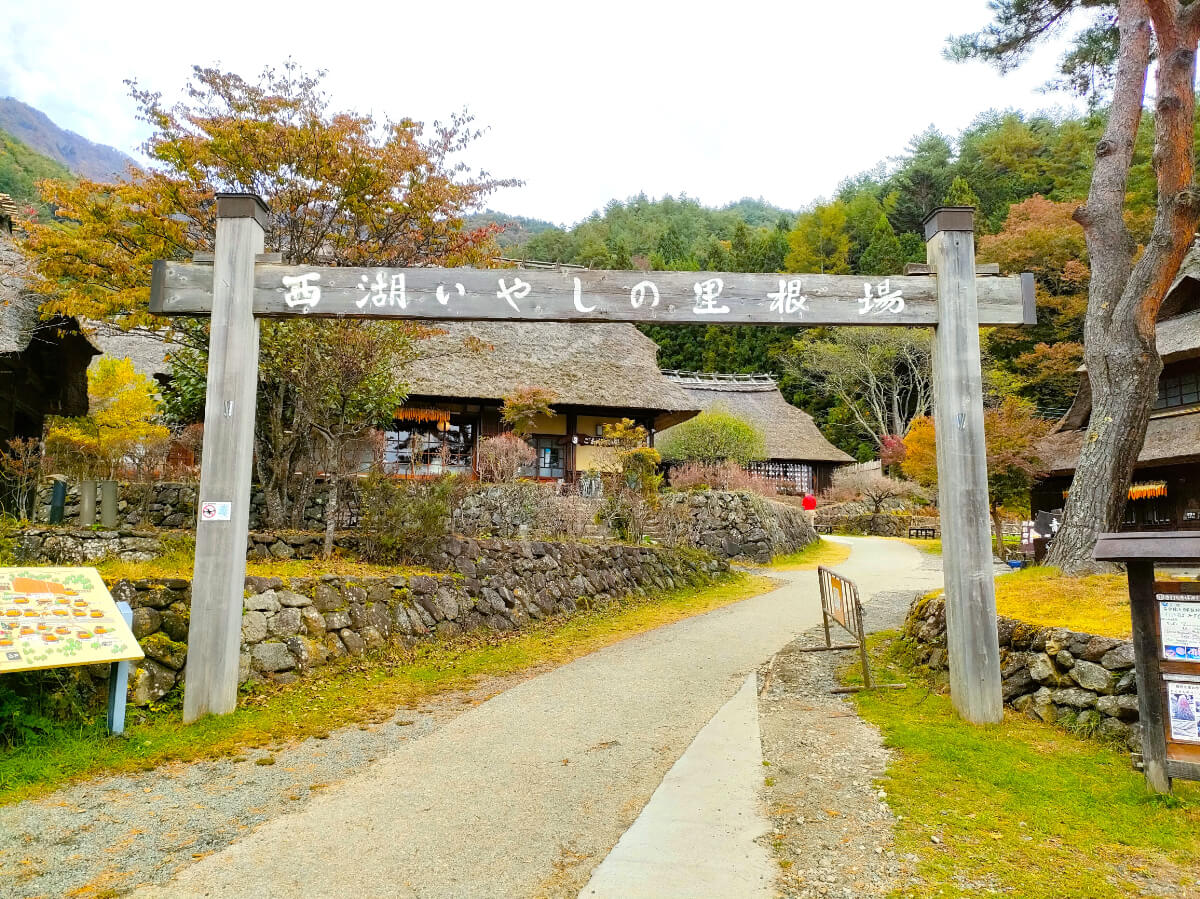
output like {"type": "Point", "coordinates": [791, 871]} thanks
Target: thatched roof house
{"type": "Point", "coordinates": [597, 374]}
{"type": "Point", "coordinates": [1166, 492]}
{"type": "Point", "coordinates": [798, 455]}
{"type": "Point", "coordinates": [42, 361]}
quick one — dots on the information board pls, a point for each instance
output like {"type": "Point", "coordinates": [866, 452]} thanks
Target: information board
{"type": "Point", "coordinates": [53, 617]}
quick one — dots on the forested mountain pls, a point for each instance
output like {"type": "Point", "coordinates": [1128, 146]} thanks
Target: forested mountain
{"type": "Point", "coordinates": [78, 154]}
{"type": "Point", "coordinates": [517, 228]}
{"type": "Point", "coordinates": [1024, 173]}
{"type": "Point", "coordinates": [20, 170]}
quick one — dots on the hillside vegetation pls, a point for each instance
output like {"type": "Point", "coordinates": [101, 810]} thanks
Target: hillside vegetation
{"type": "Point", "coordinates": [20, 170]}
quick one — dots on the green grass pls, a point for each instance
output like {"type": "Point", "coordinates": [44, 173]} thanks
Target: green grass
{"type": "Point", "coordinates": [933, 547]}
{"type": "Point", "coordinates": [179, 557]}
{"type": "Point", "coordinates": [1022, 808]}
{"type": "Point", "coordinates": [369, 689]}
{"type": "Point", "coordinates": [822, 552]}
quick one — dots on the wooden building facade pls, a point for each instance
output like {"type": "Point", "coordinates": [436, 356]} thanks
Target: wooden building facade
{"type": "Point", "coordinates": [1165, 494]}
{"type": "Point", "coordinates": [597, 374]}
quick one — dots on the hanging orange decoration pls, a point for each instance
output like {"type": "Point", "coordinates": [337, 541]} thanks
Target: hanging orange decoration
{"type": "Point", "coordinates": [404, 413]}
{"type": "Point", "coordinates": [1148, 490]}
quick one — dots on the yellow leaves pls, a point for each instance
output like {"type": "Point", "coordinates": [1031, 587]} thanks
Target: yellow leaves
{"type": "Point", "coordinates": [124, 414]}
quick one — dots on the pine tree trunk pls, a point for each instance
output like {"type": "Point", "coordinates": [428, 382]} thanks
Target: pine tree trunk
{"type": "Point", "coordinates": [1123, 297]}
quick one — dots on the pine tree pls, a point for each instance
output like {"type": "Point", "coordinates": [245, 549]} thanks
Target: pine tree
{"type": "Point", "coordinates": [883, 255]}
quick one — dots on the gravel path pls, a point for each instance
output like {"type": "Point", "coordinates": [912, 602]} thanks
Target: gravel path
{"type": "Point", "coordinates": [112, 834]}
{"type": "Point", "coordinates": [832, 826]}
{"type": "Point", "coordinates": [519, 795]}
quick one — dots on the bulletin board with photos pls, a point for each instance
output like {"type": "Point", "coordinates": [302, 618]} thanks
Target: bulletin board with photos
{"type": "Point", "coordinates": [1177, 637]}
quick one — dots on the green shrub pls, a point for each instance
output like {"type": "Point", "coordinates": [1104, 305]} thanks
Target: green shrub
{"type": "Point", "coordinates": [713, 437]}
{"type": "Point", "coordinates": [404, 520]}
{"type": "Point", "coordinates": [35, 703]}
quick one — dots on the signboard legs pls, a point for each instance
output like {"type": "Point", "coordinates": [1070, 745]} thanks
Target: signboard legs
{"type": "Point", "coordinates": [214, 633]}
{"type": "Point", "coordinates": [971, 636]}
{"type": "Point", "coordinates": [1147, 646]}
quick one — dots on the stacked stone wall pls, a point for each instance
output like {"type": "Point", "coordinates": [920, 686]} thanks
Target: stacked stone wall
{"type": "Point", "coordinates": [734, 524]}
{"type": "Point", "coordinates": [291, 625]}
{"type": "Point", "coordinates": [1081, 681]}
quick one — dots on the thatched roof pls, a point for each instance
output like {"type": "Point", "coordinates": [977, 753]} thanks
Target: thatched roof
{"type": "Point", "coordinates": [790, 432]}
{"type": "Point", "coordinates": [18, 308]}
{"type": "Point", "coordinates": [1169, 439]}
{"type": "Point", "coordinates": [1179, 337]}
{"type": "Point", "coordinates": [607, 365]}
{"type": "Point", "coordinates": [147, 351]}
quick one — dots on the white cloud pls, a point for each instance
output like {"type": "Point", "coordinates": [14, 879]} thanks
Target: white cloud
{"type": "Point", "coordinates": [585, 101]}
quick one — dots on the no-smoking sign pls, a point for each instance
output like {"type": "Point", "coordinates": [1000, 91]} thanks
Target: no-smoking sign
{"type": "Point", "coordinates": [215, 511]}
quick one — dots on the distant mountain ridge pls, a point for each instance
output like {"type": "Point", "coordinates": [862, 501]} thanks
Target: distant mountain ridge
{"type": "Point", "coordinates": [34, 128]}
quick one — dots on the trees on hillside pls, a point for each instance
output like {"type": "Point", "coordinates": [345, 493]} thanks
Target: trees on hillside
{"type": "Point", "coordinates": [1126, 289]}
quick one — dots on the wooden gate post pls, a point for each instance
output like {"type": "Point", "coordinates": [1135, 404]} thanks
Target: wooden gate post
{"type": "Point", "coordinates": [218, 582]}
{"type": "Point", "coordinates": [971, 637]}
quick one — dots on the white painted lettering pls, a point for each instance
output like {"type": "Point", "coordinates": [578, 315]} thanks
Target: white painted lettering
{"type": "Point", "coordinates": [302, 290]}
{"type": "Point", "coordinates": [789, 300]}
{"type": "Point", "coordinates": [518, 291]}
{"type": "Point", "coordinates": [637, 295]}
{"type": "Point", "coordinates": [579, 307]}
{"type": "Point", "coordinates": [707, 293]}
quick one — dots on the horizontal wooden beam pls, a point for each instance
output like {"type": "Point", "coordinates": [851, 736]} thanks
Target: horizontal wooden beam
{"type": "Point", "coordinates": [465, 294]}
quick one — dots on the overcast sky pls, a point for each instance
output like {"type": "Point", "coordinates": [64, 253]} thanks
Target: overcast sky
{"type": "Point", "coordinates": [585, 102]}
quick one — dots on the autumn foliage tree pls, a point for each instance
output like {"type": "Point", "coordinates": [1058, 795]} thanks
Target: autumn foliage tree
{"type": "Point", "coordinates": [342, 188]}
{"type": "Point", "coordinates": [123, 413]}
{"type": "Point", "coordinates": [1012, 433]}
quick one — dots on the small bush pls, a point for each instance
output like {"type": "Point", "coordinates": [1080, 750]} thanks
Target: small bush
{"type": "Point", "coordinates": [562, 516]}
{"type": "Point", "coordinates": [502, 457]}
{"type": "Point", "coordinates": [713, 437]}
{"type": "Point", "coordinates": [34, 703]}
{"type": "Point", "coordinates": [404, 520]}
{"type": "Point", "coordinates": [724, 476]}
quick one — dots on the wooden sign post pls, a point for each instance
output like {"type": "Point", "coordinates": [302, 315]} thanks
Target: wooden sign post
{"type": "Point", "coordinates": [1165, 616]}
{"type": "Point", "coordinates": [238, 285]}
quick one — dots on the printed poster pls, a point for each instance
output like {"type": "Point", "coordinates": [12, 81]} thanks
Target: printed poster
{"type": "Point", "coordinates": [52, 617]}
{"type": "Point", "coordinates": [1179, 622]}
{"type": "Point", "coordinates": [1183, 705]}
{"type": "Point", "coordinates": [837, 602]}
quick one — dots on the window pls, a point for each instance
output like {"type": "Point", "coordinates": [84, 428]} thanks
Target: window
{"type": "Point", "coordinates": [431, 447]}
{"type": "Point", "coordinates": [1178, 390]}
{"type": "Point", "coordinates": [550, 458]}
{"type": "Point", "coordinates": [789, 477]}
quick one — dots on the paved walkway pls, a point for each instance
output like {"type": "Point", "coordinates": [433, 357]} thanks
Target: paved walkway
{"type": "Point", "coordinates": [526, 794]}
{"type": "Point", "coordinates": [698, 834]}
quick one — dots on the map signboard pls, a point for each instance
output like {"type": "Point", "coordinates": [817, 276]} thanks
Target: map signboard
{"type": "Point", "coordinates": [53, 617]}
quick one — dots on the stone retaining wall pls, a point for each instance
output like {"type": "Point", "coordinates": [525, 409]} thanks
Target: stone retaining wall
{"type": "Point", "coordinates": [76, 546]}
{"type": "Point", "coordinates": [169, 505]}
{"type": "Point", "coordinates": [292, 625]}
{"type": "Point", "coordinates": [734, 524]}
{"type": "Point", "coordinates": [1081, 681]}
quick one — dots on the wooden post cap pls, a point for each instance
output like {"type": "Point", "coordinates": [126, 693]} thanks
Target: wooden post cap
{"type": "Point", "coordinates": [950, 218]}
{"type": "Point", "coordinates": [243, 206]}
